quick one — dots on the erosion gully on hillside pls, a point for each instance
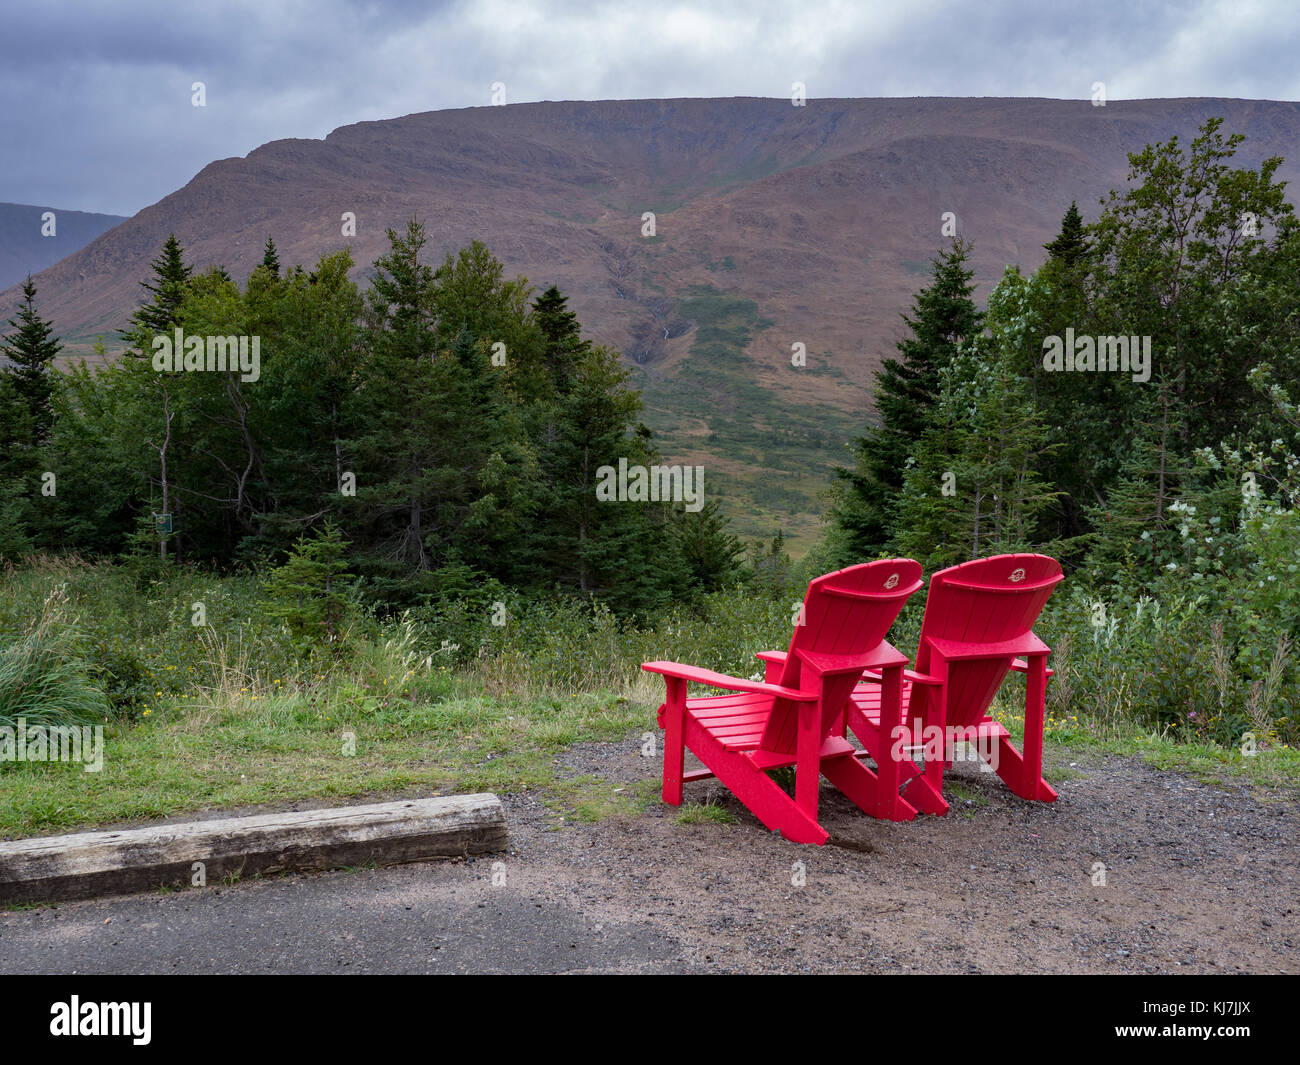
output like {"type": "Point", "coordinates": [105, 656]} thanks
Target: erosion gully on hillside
{"type": "Point", "coordinates": [1198, 879]}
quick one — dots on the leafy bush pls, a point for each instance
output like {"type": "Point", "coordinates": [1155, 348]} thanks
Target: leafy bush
{"type": "Point", "coordinates": [1166, 662]}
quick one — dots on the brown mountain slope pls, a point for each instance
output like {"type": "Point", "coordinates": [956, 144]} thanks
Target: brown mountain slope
{"type": "Point", "coordinates": [775, 225]}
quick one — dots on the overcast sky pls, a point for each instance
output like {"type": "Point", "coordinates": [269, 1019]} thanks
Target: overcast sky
{"type": "Point", "coordinates": [97, 108]}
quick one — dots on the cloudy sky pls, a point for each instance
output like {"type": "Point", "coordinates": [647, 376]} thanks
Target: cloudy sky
{"type": "Point", "coordinates": [97, 111]}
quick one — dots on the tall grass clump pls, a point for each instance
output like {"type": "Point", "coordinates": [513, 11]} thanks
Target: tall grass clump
{"type": "Point", "coordinates": [44, 677]}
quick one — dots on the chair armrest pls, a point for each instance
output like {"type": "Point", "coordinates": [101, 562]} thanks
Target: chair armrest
{"type": "Point", "coordinates": [955, 651]}
{"type": "Point", "coordinates": [773, 664]}
{"type": "Point", "coordinates": [696, 675]}
{"type": "Point", "coordinates": [882, 656]}
{"type": "Point", "coordinates": [908, 674]}
{"type": "Point", "coordinates": [1021, 666]}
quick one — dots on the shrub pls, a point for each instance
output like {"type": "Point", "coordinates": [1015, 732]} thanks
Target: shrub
{"type": "Point", "coordinates": [310, 593]}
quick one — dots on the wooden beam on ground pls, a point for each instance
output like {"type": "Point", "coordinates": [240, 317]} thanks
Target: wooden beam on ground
{"type": "Point", "coordinates": [87, 864]}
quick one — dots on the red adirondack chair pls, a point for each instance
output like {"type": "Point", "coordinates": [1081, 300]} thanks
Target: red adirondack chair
{"type": "Point", "coordinates": [979, 618]}
{"type": "Point", "coordinates": [798, 716]}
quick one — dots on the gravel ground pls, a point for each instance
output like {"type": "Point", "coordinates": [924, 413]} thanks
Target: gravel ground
{"type": "Point", "coordinates": [1197, 879]}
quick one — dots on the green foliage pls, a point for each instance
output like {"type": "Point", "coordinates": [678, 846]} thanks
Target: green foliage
{"type": "Point", "coordinates": [973, 487]}
{"type": "Point", "coordinates": [31, 350]}
{"type": "Point", "coordinates": [167, 290]}
{"type": "Point", "coordinates": [309, 593]}
{"type": "Point", "coordinates": [1168, 662]}
{"type": "Point", "coordinates": [271, 258]}
{"type": "Point", "coordinates": [710, 553]}
{"type": "Point", "coordinates": [449, 427]}
{"type": "Point", "coordinates": [770, 571]}
{"type": "Point", "coordinates": [135, 631]}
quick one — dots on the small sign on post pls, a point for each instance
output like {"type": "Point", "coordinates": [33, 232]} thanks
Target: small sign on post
{"type": "Point", "coordinates": [162, 524]}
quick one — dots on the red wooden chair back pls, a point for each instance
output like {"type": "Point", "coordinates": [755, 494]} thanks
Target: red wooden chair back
{"type": "Point", "coordinates": [845, 615]}
{"type": "Point", "coordinates": [988, 601]}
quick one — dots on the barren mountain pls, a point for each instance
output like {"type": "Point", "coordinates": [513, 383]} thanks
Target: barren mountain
{"type": "Point", "coordinates": [775, 225]}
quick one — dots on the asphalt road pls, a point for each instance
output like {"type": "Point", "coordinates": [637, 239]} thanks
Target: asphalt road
{"type": "Point", "coordinates": [444, 917]}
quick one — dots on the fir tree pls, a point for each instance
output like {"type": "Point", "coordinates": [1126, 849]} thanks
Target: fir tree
{"type": "Point", "coordinates": [31, 349]}
{"type": "Point", "coordinates": [271, 258]}
{"type": "Point", "coordinates": [1070, 247]}
{"type": "Point", "coordinates": [166, 290]}
{"type": "Point", "coordinates": [1080, 409]}
{"type": "Point", "coordinates": [401, 298]}
{"type": "Point", "coordinates": [309, 591]}
{"type": "Point", "coordinates": [710, 552]}
{"type": "Point", "coordinates": [943, 316]}
{"type": "Point", "coordinates": [974, 487]}
{"type": "Point", "coordinates": [1134, 524]}
{"type": "Point", "coordinates": [442, 460]}
{"type": "Point", "coordinates": [563, 335]}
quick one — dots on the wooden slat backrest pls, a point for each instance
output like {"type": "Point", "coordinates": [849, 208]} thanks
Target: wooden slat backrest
{"type": "Point", "coordinates": [985, 601]}
{"type": "Point", "coordinates": [847, 612]}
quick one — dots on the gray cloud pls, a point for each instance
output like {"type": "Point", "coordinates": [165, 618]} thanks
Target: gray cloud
{"type": "Point", "coordinates": [97, 115]}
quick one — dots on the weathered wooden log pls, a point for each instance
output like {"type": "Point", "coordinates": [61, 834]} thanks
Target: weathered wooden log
{"type": "Point", "coordinates": [86, 864]}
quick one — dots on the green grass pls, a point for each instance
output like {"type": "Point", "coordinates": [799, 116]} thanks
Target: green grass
{"type": "Point", "coordinates": [704, 813]}
{"type": "Point", "coordinates": [1056, 774]}
{"type": "Point", "coordinates": [43, 679]}
{"type": "Point", "coordinates": [1273, 770]}
{"type": "Point", "coordinates": [270, 750]}
{"type": "Point", "coordinates": [958, 793]}
{"type": "Point", "coordinates": [587, 799]}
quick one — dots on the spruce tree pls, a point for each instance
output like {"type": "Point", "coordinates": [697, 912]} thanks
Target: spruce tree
{"type": "Point", "coordinates": [1079, 409]}
{"type": "Point", "coordinates": [943, 316]}
{"type": "Point", "coordinates": [309, 591]}
{"type": "Point", "coordinates": [166, 290]}
{"type": "Point", "coordinates": [1135, 528]}
{"type": "Point", "coordinates": [156, 392]}
{"type": "Point", "coordinates": [31, 349]}
{"type": "Point", "coordinates": [1070, 247]}
{"type": "Point", "coordinates": [271, 258]}
{"type": "Point", "coordinates": [709, 551]}
{"type": "Point", "coordinates": [563, 335]}
{"type": "Point", "coordinates": [973, 489]}
{"type": "Point", "coordinates": [401, 298]}
{"type": "Point", "coordinates": [441, 460]}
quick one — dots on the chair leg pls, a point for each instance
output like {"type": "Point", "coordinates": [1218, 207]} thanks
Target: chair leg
{"type": "Point", "coordinates": [1023, 773]}
{"type": "Point", "coordinates": [1012, 769]}
{"type": "Point", "coordinates": [674, 720]}
{"type": "Point", "coordinates": [807, 774]}
{"type": "Point", "coordinates": [889, 768]}
{"type": "Point", "coordinates": [936, 715]}
{"type": "Point", "coordinates": [753, 787]}
{"type": "Point", "coordinates": [880, 743]}
{"type": "Point", "coordinates": [862, 786]}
